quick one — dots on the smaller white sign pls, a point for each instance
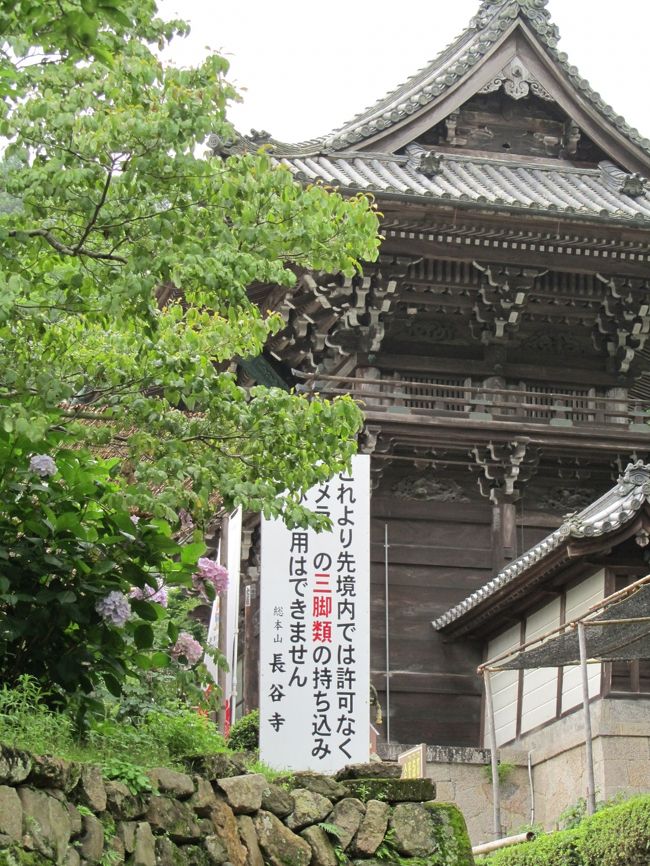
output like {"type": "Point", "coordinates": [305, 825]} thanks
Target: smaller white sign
{"type": "Point", "coordinates": [315, 631]}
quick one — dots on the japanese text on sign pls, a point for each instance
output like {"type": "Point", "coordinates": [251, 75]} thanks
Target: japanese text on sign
{"type": "Point", "coordinates": [315, 626]}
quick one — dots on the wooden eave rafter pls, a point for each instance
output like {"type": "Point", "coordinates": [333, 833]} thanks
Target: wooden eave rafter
{"type": "Point", "coordinates": [458, 232]}
{"type": "Point", "coordinates": [530, 253]}
{"type": "Point", "coordinates": [416, 213]}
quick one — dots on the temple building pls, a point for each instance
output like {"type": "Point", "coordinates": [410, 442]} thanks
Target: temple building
{"type": "Point", "coordinates": [498, 346]}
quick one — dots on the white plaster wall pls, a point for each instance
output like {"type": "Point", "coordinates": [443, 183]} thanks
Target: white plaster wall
{"type": "Point", "coordinates": [578, 600]}
{"type": "Point", "coordinates": [504, 690]}
{"type": "Point", "coordinates": [539, 699]}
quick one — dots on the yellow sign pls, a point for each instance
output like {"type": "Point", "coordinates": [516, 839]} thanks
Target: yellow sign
{"type": "Point", "coordinates": [414, 762]}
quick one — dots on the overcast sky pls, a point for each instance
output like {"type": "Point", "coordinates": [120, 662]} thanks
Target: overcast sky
{"type": "Point", "coordinates": [305, 67]}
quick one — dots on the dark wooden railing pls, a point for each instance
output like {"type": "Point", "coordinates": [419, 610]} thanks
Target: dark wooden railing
{"type": "Point", "coordinates": [462, 399]}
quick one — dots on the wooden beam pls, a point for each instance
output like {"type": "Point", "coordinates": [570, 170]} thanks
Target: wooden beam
{"type": "Point", "coordinates": [469, 249]}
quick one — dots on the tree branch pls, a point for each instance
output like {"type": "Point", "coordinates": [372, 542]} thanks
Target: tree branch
{"type": "Point", "coordinates": [63, 248]}
{"type": "Point", "coordinates": [96, 212]}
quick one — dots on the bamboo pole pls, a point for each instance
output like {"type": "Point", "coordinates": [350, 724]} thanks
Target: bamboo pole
{"type": "Point", "coordinates": [589, 755]}
{"type": "Point", "coordinates": [496, 794]}
{"type": "Point", "coordinates": [387, 626]}
{"type": "Point", "coordinates": [487, 847]}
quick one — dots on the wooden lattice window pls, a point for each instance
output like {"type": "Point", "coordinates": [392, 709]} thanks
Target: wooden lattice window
{"type": "Point", "coordinates": [443, 393]}
{"type": "Point", "coordinates": [579, 405]}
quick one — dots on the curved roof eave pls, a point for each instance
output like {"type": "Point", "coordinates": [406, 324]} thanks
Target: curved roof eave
{"type": "Point", "coordinates": [605, 516]}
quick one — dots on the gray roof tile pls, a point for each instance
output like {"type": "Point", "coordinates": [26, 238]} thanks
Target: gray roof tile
{"type": "Point", "coordinates": [498, 181]}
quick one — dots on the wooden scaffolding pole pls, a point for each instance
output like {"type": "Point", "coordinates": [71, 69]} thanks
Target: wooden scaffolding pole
{"type": "Point", "coordinates": [589, 754]}
{"type": "Point", "coordinates": [496, 793]}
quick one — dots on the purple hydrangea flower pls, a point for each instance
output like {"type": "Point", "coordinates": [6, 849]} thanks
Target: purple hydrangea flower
{"type": "Point", "coordinates": [187, 647]}
{"type": "Point", "coordinates": [185, 519]}
{"type": "Point", "coordinates": [43, 465]}
{"type": "Point", "coordinates": [212, 573]}
{"type": "Point", "coordinates": [114, 608]}
{"type": "Point", "coordinates": [134, 519]}
{"type": "Point", "coordinates": [150, 594]}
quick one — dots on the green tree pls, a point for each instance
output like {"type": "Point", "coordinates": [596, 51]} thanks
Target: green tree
{"type": "Point", "coordinates": [125, 259]}
{"type": "Point", "coordinates": [83, 583]}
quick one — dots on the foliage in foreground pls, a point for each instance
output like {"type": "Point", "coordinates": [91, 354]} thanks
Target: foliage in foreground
{"type": "Point", "coordinates": [618, 835]}
{"type": "Point", "coordinates": [86, 587]}
{"type": "Point", "coordinates": [161, 737]}
{"type": "Point", "coordinates": [244, 735]}
{"type": "Point", "coordinates": [125, 260]}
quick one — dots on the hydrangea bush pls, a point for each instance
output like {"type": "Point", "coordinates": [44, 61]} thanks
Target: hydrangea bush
{"type": "Point", "coordinates": [83, 586]}
{"type": "Point", "coordinates": [210, 578]}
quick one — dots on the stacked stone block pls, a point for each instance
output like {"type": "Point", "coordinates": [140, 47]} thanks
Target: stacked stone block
{"type": "Point", "coordinates": [216, 814]}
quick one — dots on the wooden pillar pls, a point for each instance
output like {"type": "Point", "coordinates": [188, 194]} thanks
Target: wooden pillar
{"type": "Point", "coordinates": [370, 373]}
{"type": "Point", "coordinates": [251, 647]}
{"type": "Point", "coordinates": [504, 532]}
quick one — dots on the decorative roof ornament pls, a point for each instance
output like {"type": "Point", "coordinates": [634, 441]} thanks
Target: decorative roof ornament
{"type": "Point", "coordinates": [517, 81]}
{"type": "Point", "coordinates": [621, 181]}
{"type": "Point", "coordinates": [219, 146]}
{"type": "Point", "coordinates": [534, 10]}
{"type": "Point", "coordinates": [426, 162]}
{"type": "Point", "coordinates": [635, 475]}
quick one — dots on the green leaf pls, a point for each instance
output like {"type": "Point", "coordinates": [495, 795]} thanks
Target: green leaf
{"type": "Point", "coordinates": [112, 684]}
{"type": "Point", "coordinates": [143, 636]}
{"type": "Point", "coordinates": [104, 566]}
{"type": "Point", "coordinates": [160, 660]}
{"type": "Point", "coordinates": [142, 661]}
{"type": "Point", "coordinates": [145, 609]}
{"type": "Point", "coordinates": [191, 552]}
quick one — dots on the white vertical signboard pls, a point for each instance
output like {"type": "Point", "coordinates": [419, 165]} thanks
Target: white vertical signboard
{"type": "Point", "coordinates": [315, 631]}
{"type": "Point", "coordinates": [228, 643]}
{"type": "Point", "coordinates": [233, 564]}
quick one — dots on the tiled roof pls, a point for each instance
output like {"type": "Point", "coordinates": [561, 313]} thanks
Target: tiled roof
{"type": "Point", "coordinates": [493, 19]}
{"type": "Point", "coordinates": [502, 182]}
{"type": "Point", "coordinates": [608, 514]}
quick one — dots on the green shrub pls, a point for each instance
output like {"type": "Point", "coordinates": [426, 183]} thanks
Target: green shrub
{"type": "Point", "coordinates": [618, 835]}
{"type": "Point", "coordinates": [28, 723]}
{"type": "Point", "coordinates": [81, 581]}
{"type": "Point", "coordinates": [245, 734]}
{"type": "Point", "coordinates": [111, 740]}
{"type": "Point", "coordinates": [183, 732]}
{"type": "Point", "coordinates": [556, 849]}
{"type": "Point", "coordinates": [161, 738]}
{"type": "Point", "coordinates": [133, 776]}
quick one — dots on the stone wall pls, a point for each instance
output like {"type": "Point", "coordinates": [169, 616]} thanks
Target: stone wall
{"type": "Point", "coordinates": [55, 811]}
{"type": "Point", "coordinates": [463, 776]}
{"type": "Point", "coordinates": [621, 746]}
